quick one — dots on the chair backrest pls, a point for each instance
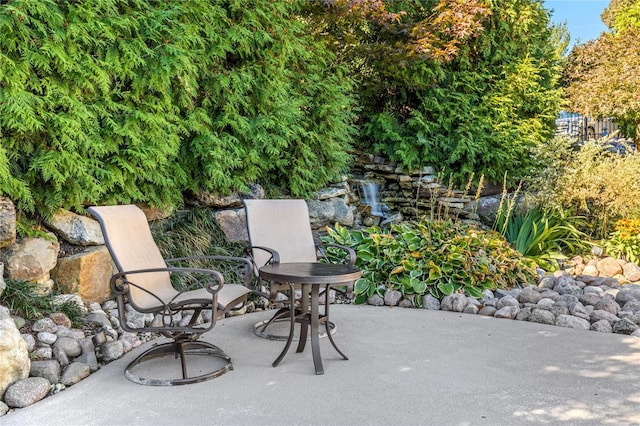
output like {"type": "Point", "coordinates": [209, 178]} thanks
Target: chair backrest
{"type": "Point", "coordinates": [128, 237]}
{"type": "Point", "coordinates": [282, 225]}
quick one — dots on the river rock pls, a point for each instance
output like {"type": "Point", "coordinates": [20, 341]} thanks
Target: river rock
{"type": "Point", "coordinates": [624, 326]}
{"type": "Point", "coordinates": [507, 301]}
{"type": "Point", "coordinates": [112, 351]}
{"type": "Point", "coordinates": [542, 316]}
{"type": "Point", "coordinates": [609, 267]}
{"type": "Point", "coordinates": [88, 355]}
{"type": "Point", "coordinates": [602, 326]}
{"type": "Point", "coordinates": [44, 324]}
{"type": "Point", "coordinates": [375, 300]}
{"type": "Point", "coordinates": [487, 311]}
{"type": "Point", "coordinates": [69, 346]}
{"type": "Point", "coordinates": [454, 302]}
{"type": "Point", "coordinates": [629, 292]}
{"type": "Point", "coordinates": [508, 312]}
{"type": "Point", "coordinates": [529, 295]}
{"type": "Point", "coordinates": [392, 297]}
{"type": "Point", "coordinates": [631, 271]}
{"type": "Point", "coordinates": [430, 302]}
{"type": "Point", "coordinates": [26, 392]}
{"type": "Point", "coordinates": [572, 322]}
{"type": "Point", "coordinates": [48, 369]}
{"type": "Point", "coordinates": [74, 372]}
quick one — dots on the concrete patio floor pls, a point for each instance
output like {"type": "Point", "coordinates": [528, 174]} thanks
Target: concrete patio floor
{"type": "Point", "coordinates": [406, 366]}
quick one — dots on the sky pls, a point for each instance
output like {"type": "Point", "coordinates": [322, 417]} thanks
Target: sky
{"type": "Point", "coordinates": [582, 17]}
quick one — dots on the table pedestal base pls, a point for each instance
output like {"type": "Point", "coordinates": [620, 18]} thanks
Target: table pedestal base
{"type": "Point", "coordinates": [310, 316]}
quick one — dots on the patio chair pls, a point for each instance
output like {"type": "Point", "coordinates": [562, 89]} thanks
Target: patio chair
{"type": "Point", "coordinates": [280, 231]}
{"type": "Point", "coordinates": [144, 281]}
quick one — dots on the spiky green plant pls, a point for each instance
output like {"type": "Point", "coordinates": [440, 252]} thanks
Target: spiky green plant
{"type": "Point", "coordinates": [193, 233]}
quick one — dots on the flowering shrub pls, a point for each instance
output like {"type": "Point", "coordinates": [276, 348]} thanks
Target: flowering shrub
{"type": "Point", "coordinates": [625, 240]}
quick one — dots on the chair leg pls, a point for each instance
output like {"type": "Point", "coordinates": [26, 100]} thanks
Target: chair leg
{"type": "Point", "coordinates": [183, 359]}
{"type": "Point", "coordinates": [292, 324]}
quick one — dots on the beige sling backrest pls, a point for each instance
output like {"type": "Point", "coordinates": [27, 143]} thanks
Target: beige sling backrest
{"type": "Point", "coordinates": [282, 225]}
{"type": "Point", "coordinates": [128, 238]}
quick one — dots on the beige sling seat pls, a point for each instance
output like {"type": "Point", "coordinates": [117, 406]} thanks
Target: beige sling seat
{"type": "Point", "coordinates": [280, 232]}
{"type": "Point", "coordinates": [144, 281]}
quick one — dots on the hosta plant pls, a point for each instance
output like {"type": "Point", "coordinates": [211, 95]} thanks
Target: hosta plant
{"type": "Point", "coordinates": [434, 257]}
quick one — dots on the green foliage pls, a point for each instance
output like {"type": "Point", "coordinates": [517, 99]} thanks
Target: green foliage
{"type": "Point", "coordinates": [116, 101]}
{"type": "Point", "coordinates": [480, 112]}
{"type": "Point", "coordinates": [589, 180]}
{"type": "Point", "coordinates": [624, 241]}
{"type": "Point", "coordinates": [540, 235]}
{"type": "Point", "coordinates": [194, 233]}
{"type": "Point", "coordinates": [437, 257]}
{"type": "Point", "coordinates": [23, 299]}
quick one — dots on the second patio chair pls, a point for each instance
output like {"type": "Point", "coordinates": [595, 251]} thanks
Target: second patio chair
{"type": "Point", "coordinates": [280, 232]}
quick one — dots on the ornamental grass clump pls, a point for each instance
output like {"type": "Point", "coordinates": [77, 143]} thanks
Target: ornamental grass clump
{"type": "Point", "coordinates": [436, 257]}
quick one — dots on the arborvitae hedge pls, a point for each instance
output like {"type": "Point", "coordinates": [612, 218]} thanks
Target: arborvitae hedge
{"type": "Point", "coordinates": [107, 101]}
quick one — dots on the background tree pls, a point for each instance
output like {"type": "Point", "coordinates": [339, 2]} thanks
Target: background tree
{"type": "Point", "coordinates": [466, 86]}
{"type": "Point", "coordinates": [602, 76]}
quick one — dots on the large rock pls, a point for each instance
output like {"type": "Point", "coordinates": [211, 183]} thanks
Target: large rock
{"type": "Point", "coordinates": [328, 212]}
{"type": "Point", "coordinates": [609, 267]}
{"type": "Point", "coordinates": [7, 222]}
{"type": "Point", "coordinates": [213, 200]}
{"type": "Point", "coordinates": [76, 229]}
{"type": "Point", "coordinates": [31, 259]}
{"type": "Point", "coordinates": [86, 273]}
{"type": "Point", "coordinates": [233, 223]}
{"type": "Point", "coordinates": [631, 271]}
{"type": "Point", "coordinates": [14, 355]}
{"type": "Point", "coordinates": [485, 207]}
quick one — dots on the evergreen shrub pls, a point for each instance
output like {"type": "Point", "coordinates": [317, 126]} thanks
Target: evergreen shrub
{"type": "Point", "coordinates": [115, 101]}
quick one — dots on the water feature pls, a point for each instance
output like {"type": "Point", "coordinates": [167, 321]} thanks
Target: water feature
{"type": "Point", "coordinates": [370, 193]}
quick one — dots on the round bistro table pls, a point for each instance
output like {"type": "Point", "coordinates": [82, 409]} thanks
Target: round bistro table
{"type": "Point", "coordinates": [311, 276]}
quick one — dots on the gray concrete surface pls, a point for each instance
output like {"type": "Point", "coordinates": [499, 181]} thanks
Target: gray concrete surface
{"type": "Point", "coordinates": [406, 366]}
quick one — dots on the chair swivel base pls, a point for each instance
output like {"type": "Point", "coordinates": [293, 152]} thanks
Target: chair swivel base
{"type": "Point", "coordinates": [181, 350]}
{"type": "Point", "coordinates": [261, 329]}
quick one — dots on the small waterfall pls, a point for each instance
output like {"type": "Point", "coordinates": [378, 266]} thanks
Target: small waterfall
{"type": "Point", "coordinates": [370, 194]}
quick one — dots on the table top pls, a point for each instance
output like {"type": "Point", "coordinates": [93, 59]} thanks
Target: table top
{"type": "Point", "coordinates": [310, 273]}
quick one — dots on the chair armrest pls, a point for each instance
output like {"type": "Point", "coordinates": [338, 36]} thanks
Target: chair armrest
{"type": "Point", "coordinates": [275, 256]}
{"type": "Point", "coordinates": [120, 283]}
{"type": "Point", "coordinates": [248, 264]}
{"type": "Point", "coordinates": [247, 274]}
{"type": "Point", "coordinates": [350, 257]}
